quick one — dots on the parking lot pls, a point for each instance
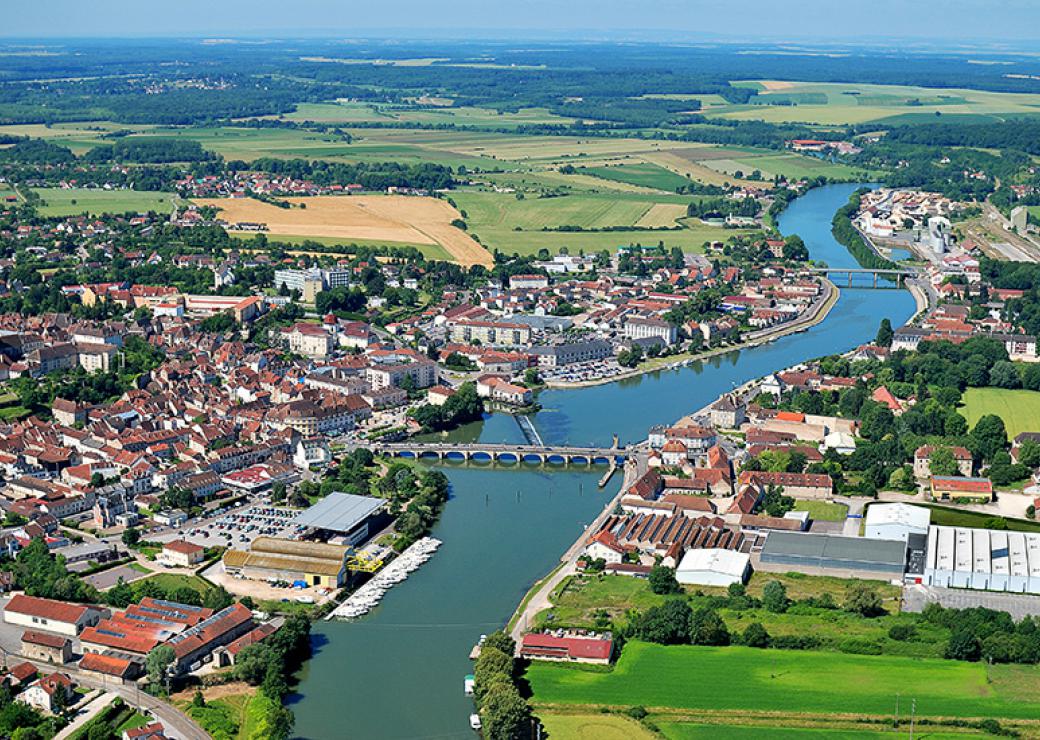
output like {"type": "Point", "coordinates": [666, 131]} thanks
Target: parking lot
{"type": "Point", "coordinates": [915, 598]}
{"type": "Point", "coordinates": [234, 528]}
{"type": "Point", "coordinates": [582, 371]}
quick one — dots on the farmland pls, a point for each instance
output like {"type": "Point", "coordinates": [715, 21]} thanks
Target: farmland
{"type": "Point", "coordinates": [1019, 409]}
{"type": "Point", "coordinates": [792, 682]}
{"type": "Point", "coordinates": [646, 174]}
{"type": "Point", "coordinates": [375, 218]}
{"type": "Point", "coordinates": [840, 103]}
{"type": "Point", "coordinates": [75, 201]}
{"type": "Point", "coordinates": [524, 226]}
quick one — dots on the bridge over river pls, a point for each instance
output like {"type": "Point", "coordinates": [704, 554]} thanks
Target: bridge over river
{"type": "Point", "coordinates": [897, 274]}
{"type": "Point", "coordinates": [483, 451]}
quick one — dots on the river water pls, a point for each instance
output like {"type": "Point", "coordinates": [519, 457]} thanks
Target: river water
{"type": "Point", "coordinates": [398, 672]}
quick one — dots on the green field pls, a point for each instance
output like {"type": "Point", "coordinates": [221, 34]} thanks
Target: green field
{"type": "Point", "coordinates": [351, 112]}
{"type": "Point", "coordinates": [694, 731]}
{"type": "Point", "coordinates": [946, 517]}
{"type": "Point", "coordinates": [502, 222]}
{"type": "Point", "coordinates": [73, 202]}
{"type": "Point", "coordinates": [430, 251]}
{"type": "Point", "coordinates": [737, 678]}
{"type": "Point", "coordinates": [828, 103]}
{"type": "Point", "coordinates": [644, 174]}
{"type": "Point", "coordinates": [592, 727]}
{"type": "Point", "coordinates": [1020, 410]}
{"type": "Point", "coordinates": [823, 511]}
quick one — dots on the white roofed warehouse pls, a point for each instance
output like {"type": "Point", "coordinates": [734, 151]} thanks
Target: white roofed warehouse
{"type": "Point", "coordinates": [896, 521]}
{"type": "Point", "coordinates": [983, 559]}
{"type": "Point", "coordinates": [713, 567]}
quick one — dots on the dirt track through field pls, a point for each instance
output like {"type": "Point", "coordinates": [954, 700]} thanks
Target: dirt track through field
{"type": "Point", "coordinates": [391, 218]}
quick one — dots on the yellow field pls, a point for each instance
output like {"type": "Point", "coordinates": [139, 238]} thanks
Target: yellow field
{"type": "Point", "coordinates": [662, 215]}
{"type": "Point", "coordinates": [675, 161]}
{"type": "Point", "coordinates": [389, 218]}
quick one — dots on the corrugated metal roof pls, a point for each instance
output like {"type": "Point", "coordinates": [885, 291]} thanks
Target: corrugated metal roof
{"type": "Point", "coordinates": [340, 512]}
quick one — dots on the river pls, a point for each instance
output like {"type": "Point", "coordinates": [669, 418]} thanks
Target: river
{"type": "Point", "coordinates": [398, 672]}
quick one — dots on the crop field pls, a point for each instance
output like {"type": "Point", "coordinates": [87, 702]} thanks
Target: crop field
{"type": "Point", "coordinates": [375, 218]}
{"type": "Point", "coordinates": [1019, 409]}
{"type": "Point", "coordinates": [738, 678]}
{"type": "Point", "coordinates": [790, 165]}
{"type": "Point", "coordinates": [353, 112]}
{"type": "Point", "coordinates": [645, 174]}
{"type": "Point", "coordinates": [592, 727]}
{"type": "Point", "coordinates": [72, 202]}
{"type": "Point", "coordinates": [840, 103]}
{"type": "Point", "coordinates": [510, 225]}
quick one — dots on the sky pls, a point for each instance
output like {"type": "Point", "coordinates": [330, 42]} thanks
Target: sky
{"type": "Point", "coordinates": [940, 20]}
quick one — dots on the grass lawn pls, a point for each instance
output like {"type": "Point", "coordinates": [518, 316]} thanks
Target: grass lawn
{"type": "Point", "coordinates": [645, 174]}
{"type": "Point", "coordinates": [697, 731]}
{"type": "Point", "coordinates": [172, 581]}
{"type": "Point", "coordinates": [823, 511]}
{"type": "Point", "coordinates": [62, 202]}
{"type": "Point", "coordinates": [738, 678]}
{"type": "Point", "coordinates": [1020, 409]}
{"type": "Point", "coordinates": [593, 727]}
{"type": "Point", "coordinates": [947, 517]}
{"type": "Point", "coordinates": [222, 718]}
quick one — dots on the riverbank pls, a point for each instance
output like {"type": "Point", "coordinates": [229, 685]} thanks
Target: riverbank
{"type": "Point", "coordinates": [817, 313]}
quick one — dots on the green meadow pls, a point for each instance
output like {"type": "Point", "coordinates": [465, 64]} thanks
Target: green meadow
{"type": "Point", "coordinates": [738, 678]}
{"type": "Point", "coordinates": [75, 201]}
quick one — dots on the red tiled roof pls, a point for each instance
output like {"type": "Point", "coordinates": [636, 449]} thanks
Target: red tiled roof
{"type": "Point", "coordinates": [107, 664]}
{"type": "Point", "coordinates": [57, 611]}
{"type": "Point", "coordinates": [42, 638]}
{"type": "Point", "coordinates": [572, 647]}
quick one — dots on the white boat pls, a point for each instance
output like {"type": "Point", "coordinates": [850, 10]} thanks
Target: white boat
{"type": "Point", "coordinates": [467, 685]}
{"type": "Point", "coordinates": [474, 721]}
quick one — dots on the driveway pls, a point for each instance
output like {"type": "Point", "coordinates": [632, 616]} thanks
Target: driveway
{"type": "Point", "coordinates": [916, 597]}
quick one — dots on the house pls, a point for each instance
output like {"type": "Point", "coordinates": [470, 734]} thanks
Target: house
{"type": "Point", "coordinates": [726, 413]}
{"type": "Point", "coordinates": [41, 694]}
{"type": "Point", "coordinates": [50, 615]}
{"type": "Point", "coordinates": [45, 647]}
{"type": "Point", "coordinates": [110, 665]}
{"type": "Point", "coordinates": [923, 457]}
{"type": "Point", "coordinates": [799, 485]}
{"type": "Point", "coordinates": [438, 395]}
{"type": "Point", "coordinates": [181, 554]}
{"type": "Point", "coordinates": [604, 546]}
{"type": "Point", "coordinates": [572, 649]}
{"type": "Point", "coordinates": [151, 731]}
{"type": "Point", "coordinates": [949, 488]}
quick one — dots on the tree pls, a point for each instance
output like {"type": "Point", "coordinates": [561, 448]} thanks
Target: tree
{"type": "Point", "coordinates": [863, 600]}
{"type": "Point", "coordinates": [942, 462]}
{"type": "Point", "coordinates": [500, 640]}
{"type": "Point", "coordinates": [503, 713]}
{"type": "Point", "coordinates": [278, 492]}
{"type": "Point", "coordinates": [662, 580]}
{"type": "Point", "coordinates": [963, 645]}
{"type": "Point", "coordinates": [252, 662]}
{"type": "Point", "coordinates": [491, 665]}
{"type": "Point", "coordinates": [157, 662]}
{"type": "Point", "coordinates": [774, 597]}
{"type": "Point", "coordinates": [1004, 374]}
{"type": "Point", "coordinates": [668, 624]}
{"type": "Point", "coordinates": [756, 636]}
{"type": "Point", "coordinates": [131, 536]}
{"type": "Point", "coordinates": [884, 334]}
{"type": "Point", "coordinates": [1029, 453]}
{"type": "Point", "coordinates": [988, 437]}
{"type": "Point", "coordinates": [707, 628]}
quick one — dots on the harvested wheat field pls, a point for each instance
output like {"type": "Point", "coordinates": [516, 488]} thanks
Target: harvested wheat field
{"type": "Point", "coordinates": [390, 218]}
{"type": "Point", "coordinates": [662, 215]}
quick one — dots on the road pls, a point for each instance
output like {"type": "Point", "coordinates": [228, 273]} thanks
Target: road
{"type": "Point", "coordinates": [539, 600]}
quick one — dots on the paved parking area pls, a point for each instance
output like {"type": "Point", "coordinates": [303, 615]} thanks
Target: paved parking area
{"type": "Point", "coordinates": [1017, 605]}
{"type": "Point", "coordinates": [236, 528]}
{"type": "Point", "coordinates": [108, 578]}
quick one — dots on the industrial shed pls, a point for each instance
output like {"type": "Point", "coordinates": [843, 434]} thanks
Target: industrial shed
{"type": "Point", "coordinates": [343, 514]}
{"type": "Point", "coordinates": [829, 554]}
{"type": "Point", "coordinates": [896, 521]}
{"type": "Point", "coordinates": [713, 567]}
{"type": "Point", "coordinates": [275, 559]}
{"type": "Point", "coordinates": [983, 559]}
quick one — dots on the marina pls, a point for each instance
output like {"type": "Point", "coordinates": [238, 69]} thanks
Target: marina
{"type": "Point", "coordinates": [366, 598]}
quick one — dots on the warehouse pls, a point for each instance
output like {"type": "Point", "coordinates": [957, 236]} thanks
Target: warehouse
{"type": "Point", "coordinates": [827, 554]}
{"type": "Point", "coordinates": [344, 515]}
{"type": "Point", "coordinates": [896, 521]}
{"type": "Point", "coordinates": [713, 566]}
{"type": "Point", "coordinates": [294, 561]}
{"type": "Point", "coordinates": [983, 559]}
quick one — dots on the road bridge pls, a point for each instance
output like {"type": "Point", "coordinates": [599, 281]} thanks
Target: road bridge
{"type": "Point", "coordinates": [898, 274]}
{"type": "Point", "coordinates": [508, 453]}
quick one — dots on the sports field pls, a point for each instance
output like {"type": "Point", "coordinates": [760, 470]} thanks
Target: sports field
{"type": "Point", "coordinates": [831, 103]}
{"type": "Point", "coordinates": [387, 219]}
{"type": "Point", "coordinates": [737, 678]}
{"type": "Point", "coordinates": [1019, 409]}
{"type": "Point", "coordinates": [75, 201]}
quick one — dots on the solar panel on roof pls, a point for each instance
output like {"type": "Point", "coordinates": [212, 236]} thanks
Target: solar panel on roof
{"type": "Point", "coordinates": [111, 633]}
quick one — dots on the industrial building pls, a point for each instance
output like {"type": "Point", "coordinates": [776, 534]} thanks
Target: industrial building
{"type": "Point", "coordinates": [713, 567]}
{"type": "Point", "coordinates": [344, 515]}
{"type": "Point", "coordinates": [983, 559]}
{"type": "Point", "coordinates": [295, 561]}
{"type": "Point", "coordinates": [828, 554]}
{"type": "Point", "coordinates": [896, 521]}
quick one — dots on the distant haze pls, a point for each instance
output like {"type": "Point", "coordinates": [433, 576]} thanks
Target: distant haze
{"type": "Point", "coordinates": [992, 21]}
